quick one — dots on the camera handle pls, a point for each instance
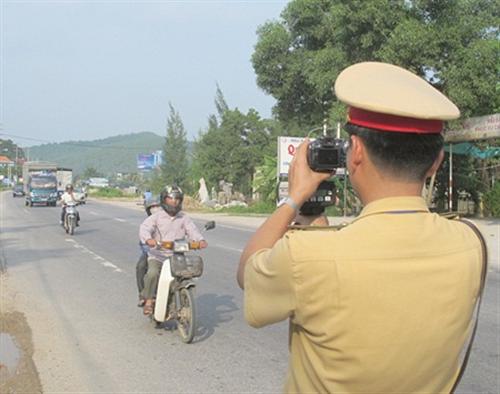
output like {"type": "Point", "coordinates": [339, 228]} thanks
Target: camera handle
{"type": "Point", "coordinates": [325, 130]}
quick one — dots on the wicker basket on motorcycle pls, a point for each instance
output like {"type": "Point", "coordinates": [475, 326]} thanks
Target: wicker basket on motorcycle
{"type": "Point", "coordinates": [186, 266]}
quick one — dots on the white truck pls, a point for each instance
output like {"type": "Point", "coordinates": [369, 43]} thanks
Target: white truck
{"type": "Point", "coordinates": [64, 178]}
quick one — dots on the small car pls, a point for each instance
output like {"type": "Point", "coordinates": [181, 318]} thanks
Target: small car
{"type": "Point", "coordinates": [18, 191]}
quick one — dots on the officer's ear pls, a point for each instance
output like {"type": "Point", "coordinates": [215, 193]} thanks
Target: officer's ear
{"type": "Point", "coordinates": [435, 165]}
{"type": "Point", "coordinates": [356, 152]}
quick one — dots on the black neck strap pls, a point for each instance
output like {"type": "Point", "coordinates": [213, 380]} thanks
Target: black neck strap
{"type": "Point", "coordinates": [484, 270]}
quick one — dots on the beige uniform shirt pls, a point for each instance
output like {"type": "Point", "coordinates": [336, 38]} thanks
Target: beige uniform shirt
{"type": "Point", "coordinates": [382, 306]}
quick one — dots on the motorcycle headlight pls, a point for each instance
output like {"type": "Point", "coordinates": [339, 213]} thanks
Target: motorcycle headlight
{"type": "Point", "coordinates": [32, 194]}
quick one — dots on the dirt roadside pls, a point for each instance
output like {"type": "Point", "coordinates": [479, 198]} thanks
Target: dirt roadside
{"type": "Point", "coordinates": [21, 376]}
{"type": "Point", "coordinates": [18, 373]}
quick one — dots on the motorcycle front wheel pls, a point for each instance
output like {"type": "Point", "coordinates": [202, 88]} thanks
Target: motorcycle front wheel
{"type": "Point", "coordinates": [186, 322]}
{"type": "Point", "coordinates": [71, 225]}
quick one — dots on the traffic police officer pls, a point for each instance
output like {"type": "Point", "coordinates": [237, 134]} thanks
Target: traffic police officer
{"type": "Point", "coordinates": [385, 304]}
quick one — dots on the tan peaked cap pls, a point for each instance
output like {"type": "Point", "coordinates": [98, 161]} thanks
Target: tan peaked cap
{"type": "Point", "coordinates": [389, 89]}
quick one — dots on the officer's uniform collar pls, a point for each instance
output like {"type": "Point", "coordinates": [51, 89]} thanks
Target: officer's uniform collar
{"type": "Point", "coordinates": [395, 205]}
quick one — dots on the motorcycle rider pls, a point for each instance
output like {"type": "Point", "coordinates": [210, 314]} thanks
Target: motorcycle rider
{"type": "Point", "coordinates": [146, 197]}
{"type": "Point", "coordinates": [66, 198]}
{"type": "Point", "coordinates": [167, 224]}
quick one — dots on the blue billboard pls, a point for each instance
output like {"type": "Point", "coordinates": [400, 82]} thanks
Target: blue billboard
{"type": "Point", "coordinates": [145, 162]}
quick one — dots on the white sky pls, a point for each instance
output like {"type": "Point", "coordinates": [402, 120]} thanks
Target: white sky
{"type": "Point", "coordinates": [84, 70]}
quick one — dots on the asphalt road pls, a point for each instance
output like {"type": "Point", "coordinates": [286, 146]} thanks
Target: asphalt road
{"type": "Point", "coordinates": [78, 293]}
{"type": "Point", "coordinates": [79, 297]}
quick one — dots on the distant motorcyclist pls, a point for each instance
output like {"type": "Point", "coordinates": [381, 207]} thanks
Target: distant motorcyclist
{"type": "Point", "coordinates": [167, 224]}
{"type": "Point", "coordinates": [68, 197]}
{"type": "Point", "coordinates": [146, 197]}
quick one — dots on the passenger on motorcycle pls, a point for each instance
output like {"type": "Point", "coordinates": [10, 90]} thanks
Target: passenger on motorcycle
{"type": "Point", "coordinates": [167, 224]}
{"type": "Point", "coordinates": [142, 264]}
{"type": "Point", "coordinates": [66, 198]}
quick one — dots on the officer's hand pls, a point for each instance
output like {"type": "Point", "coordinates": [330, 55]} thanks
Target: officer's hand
{"type": "Point", "coordinates": [203, 244]}
{"type": "Point", "coordinates": [302, 181]}
{"type": "Point", "coordinates": [151, 243]}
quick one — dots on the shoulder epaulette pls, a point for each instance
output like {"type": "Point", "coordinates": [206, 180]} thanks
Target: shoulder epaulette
{"type": "Point", "coordinates": [450, 215]}
{"type": "Point", "coordinates": [316, 228]}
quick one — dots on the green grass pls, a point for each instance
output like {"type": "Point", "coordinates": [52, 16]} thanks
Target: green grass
{"type": "Point", "coordinates": [261, 208]}
{"type": "Point", "coordinates": [106, 192]}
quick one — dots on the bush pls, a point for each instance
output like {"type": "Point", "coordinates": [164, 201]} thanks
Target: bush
{"type": "Point", "coordinates": [106, 192]}
{"type": "Point", "coordinates": [256, 208]}
{"type": "Point", "coordinates": [491, 200]}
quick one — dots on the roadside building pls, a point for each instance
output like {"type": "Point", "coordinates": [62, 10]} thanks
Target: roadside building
{"type": "Point", "coordinates": [6, 166]}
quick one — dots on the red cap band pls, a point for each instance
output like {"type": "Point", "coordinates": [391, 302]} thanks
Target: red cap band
{"type": "Point", "coordinates": [386, 122]}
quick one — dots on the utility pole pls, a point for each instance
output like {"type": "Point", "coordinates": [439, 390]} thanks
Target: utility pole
{"type": "Point", "coordinates": [16, 164]}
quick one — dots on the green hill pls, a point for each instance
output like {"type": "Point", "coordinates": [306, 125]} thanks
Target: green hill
{"type": "Point", "coordinates": [108, 156]}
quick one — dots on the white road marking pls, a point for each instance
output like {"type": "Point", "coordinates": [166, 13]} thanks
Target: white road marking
{"type": "Point", "coordinates": [94, 213]}
{"type": "Point", "coordinates": [104, 262]}
{"type": "Point", "coordinates": [119, 220]}
{"type": "Point", "coordinates": [111, 265]}
{"type": "Point", "coordinates": [228, 248]}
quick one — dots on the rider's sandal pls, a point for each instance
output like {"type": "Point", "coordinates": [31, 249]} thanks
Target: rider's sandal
{"type": "Point", "coordinates": [148, 309]}
{"type": "Point", "coordinates": [141, 302]}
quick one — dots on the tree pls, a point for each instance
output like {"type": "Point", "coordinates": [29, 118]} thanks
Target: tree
{"type": "Point", "coordinates": [91, 172]}
{"type": "Point", "coordinates": [233, 145]}
{"type": "Point", "coordinates": [207, 146]}
{"type": "Point", "coordinates": [13, 152]}
{"type": "Point", "coordinates": [225, 152]}
{"type": "Point", "coordinates": [298, 58]}
{"type": "Point", "coordinates": [452, 43]}
{"type": "Point", "coordinates": [465, 178]}
{"type": "Point", "coordinates": [220, 102]}
{"type": "Point", "coordinates": [265, 182]}
{"type": "Point", "coordinates": [174, 169]}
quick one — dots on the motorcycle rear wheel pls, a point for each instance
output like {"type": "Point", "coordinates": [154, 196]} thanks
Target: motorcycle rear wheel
{"type": "Point", "coordinates": [186, 321]}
